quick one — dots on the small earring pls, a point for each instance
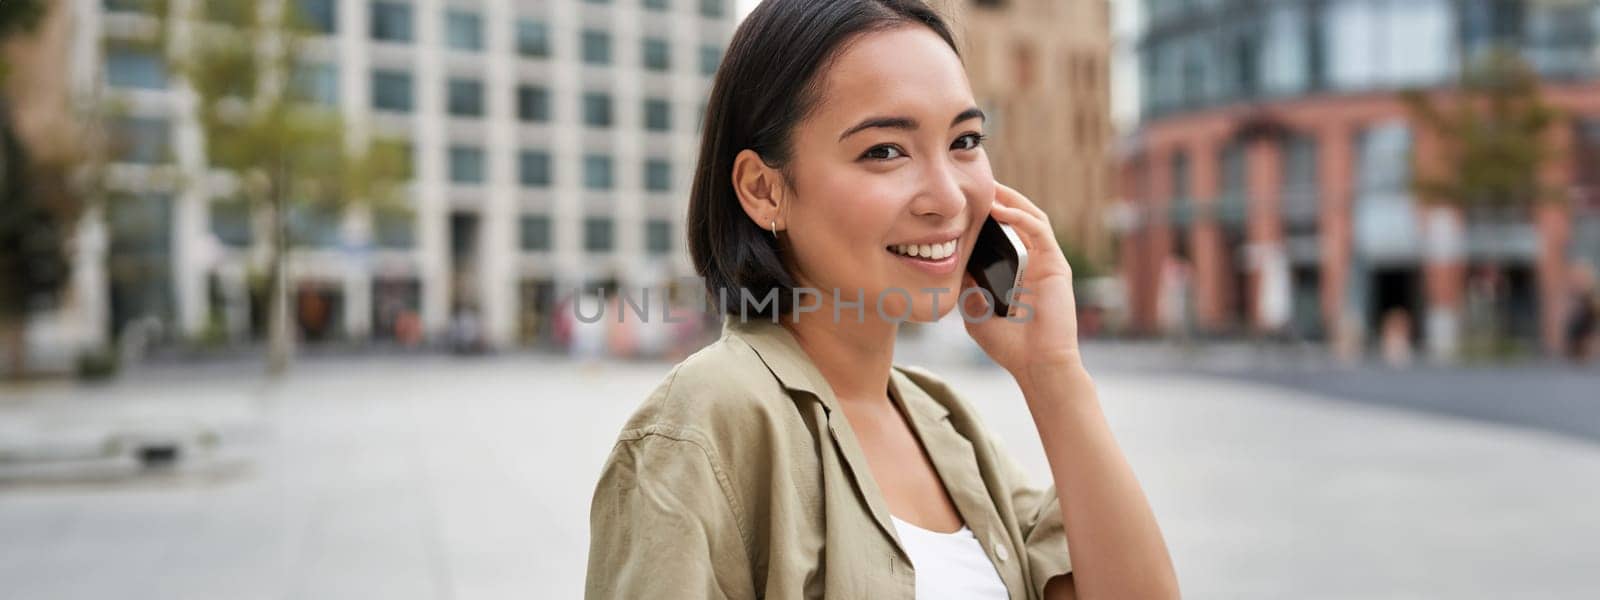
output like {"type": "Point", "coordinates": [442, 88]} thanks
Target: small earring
{"type": "Point", "coordinates": [774, 229]}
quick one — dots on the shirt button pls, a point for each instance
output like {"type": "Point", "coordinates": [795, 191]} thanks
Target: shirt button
{"type": "Point", "coordinates": [1000, 551]}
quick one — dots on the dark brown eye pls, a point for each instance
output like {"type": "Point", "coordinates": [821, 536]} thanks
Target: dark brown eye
{"type": "Point", "coordinates": [973, 140]}
{"type": "Point", "coordinates": [884, 152]}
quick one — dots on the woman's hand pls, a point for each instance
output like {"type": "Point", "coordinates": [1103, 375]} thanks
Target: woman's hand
{"type": "Point", "coordinates": [1042, 330]}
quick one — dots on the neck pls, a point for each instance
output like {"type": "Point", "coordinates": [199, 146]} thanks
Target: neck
{"type": "Point", "coordinates": [855, 358]}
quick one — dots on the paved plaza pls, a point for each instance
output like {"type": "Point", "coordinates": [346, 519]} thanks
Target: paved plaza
{"type": "Point", "coordinates": [441, 478]}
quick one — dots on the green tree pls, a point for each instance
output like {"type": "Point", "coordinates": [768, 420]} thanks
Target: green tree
{"type": "Point", "coordinates": [37, 208]}
{"type": "Point", "coordinates": [261, 122]}
{"type": "Point", "coordinates": [1492, 134]}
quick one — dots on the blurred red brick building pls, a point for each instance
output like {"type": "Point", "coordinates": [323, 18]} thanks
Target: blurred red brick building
{"type": "Point", "coordinates": [1275, 158]}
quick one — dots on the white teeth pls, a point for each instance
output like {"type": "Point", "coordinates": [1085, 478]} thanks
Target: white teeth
{"type": "Point", "coordinates": [928, 251]}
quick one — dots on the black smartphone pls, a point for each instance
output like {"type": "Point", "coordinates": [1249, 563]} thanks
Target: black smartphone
{"type": "Point", "coordinates": [997, 262]}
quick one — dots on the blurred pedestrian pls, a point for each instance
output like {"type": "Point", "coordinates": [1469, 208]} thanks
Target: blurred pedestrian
{"type": "Point", "coordinates": [1583, 314]}
{"type": "Point", "coordinates": [1396, 338]}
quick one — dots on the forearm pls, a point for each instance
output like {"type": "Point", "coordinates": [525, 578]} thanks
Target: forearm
{"type": "Point", "coordinates": [1116, 546]}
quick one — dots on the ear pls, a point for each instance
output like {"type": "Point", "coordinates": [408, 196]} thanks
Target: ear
{"type": "Point", "coordinates": [760, 189]}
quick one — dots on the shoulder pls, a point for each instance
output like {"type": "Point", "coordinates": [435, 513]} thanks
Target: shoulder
{"type": "Point", "coordinates": [712, 398]}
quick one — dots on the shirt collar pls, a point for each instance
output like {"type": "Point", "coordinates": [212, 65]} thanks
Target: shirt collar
{"type": "Point", "coordinates": [793, 368]}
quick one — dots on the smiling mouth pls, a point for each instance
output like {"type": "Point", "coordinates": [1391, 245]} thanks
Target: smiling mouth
{"type": "Point", "coordinates": [925, 252]}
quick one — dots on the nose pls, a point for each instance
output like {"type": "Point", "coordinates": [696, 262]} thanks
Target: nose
{"type": "Point", "coordinates": [941, 193]}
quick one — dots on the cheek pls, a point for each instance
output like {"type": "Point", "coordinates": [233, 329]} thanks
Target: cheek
{"type": "Point", "coordinates": [981, 185]}
{"type": "Point", "coordinates": [839, 230]}
{"type": "Point", "coordinates": [860, 212]}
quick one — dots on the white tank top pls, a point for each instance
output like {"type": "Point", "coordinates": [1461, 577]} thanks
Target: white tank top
{"type": "Point", "coordinates": [949, 565]}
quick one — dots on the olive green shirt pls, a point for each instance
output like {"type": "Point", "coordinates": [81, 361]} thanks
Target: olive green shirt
{"type": "Point", "coordinates": [739, 477]}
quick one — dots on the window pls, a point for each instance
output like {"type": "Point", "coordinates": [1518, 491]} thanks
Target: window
{"type": "Point", "coordinates": [128, 66]}
{"type": "Point", "coordinates": [1233, 172]}
{"type": "Point", "coordinates": [657, 55]}
{"type": "Point", "coordinates": [314, 224]}
{"type": "Point", "coordinates": [597, 234]}
{"type": "Point", "coordinates": [657, 175]}
{"type": "Point", "coordinates": [597, 172]}
{"type": "Point", "coordinates": [1300, 165]}
{"type": "Point", "coordinates": [534, 168]}
{"type": "Point", "coordinates": [139, 224]}
{"type": "Point", "coordinates": [466, 164]}
{"type": "Point", "coordinates": [463, 30]}
{"type": "Point", "coordinates": [596, 47]}
{"type": "Point", "coordinates": [1180, 175]}
{"type": "Point", "coordinates": [391, 90]}
{"type": "Point", "coordinates": [710, 57]}
{"type": "Point", "coordinates": [1299, 184]}
{"type": "Point", "coordinates": [465, 97]}
{"type": "Point", "coordinates": [657, 237]}
{"type": "Point", "coordinates": [139, 259]}
{"type": "Point", "coordinates": [1285, 59]}
{"type": "Point", "coordinates": [394, 228]}
{"type": "Point", "coordinates": [597, 109]}
{"type": "Point", "coordinates": [711, 8]}
{"type": "Point", "coordinates": [535, 233]}
{"type": "Point", "coordinates": [321, 16]}
{"type": "Point", "coordinates": [230, 222]}
{"type": "Point", "coordinates": [657, 114]}
{"type": "Point", "coordinates": [1385, 222]}
{"type": "Point", "coordinates": [145, 140]}
{"type": "Point", "coordinates": [317, 83]}
{"type": "Point", "coordinates": [1380, 43]}
{"type": "Point", "coordinates": [533, 38]}
{"type": "Point", "coordinates": [657, 5]}
{"type": "Point", "coordinates": [391, 22]}
{"type": "Point", "coordinates": [533, 103]}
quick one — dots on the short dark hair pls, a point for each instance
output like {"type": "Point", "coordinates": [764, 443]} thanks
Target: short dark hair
{"type": "Point", "coordinates": [767, 84]}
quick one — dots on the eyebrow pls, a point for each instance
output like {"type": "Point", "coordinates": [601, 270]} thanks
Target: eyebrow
{"type": "Point", "coordinates": [908, 123]}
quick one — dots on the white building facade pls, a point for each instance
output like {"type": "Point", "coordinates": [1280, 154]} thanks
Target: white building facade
{"type": "Point", "coordinates": [553, 143]}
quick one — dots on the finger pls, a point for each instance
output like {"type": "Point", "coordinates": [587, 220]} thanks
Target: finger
{"type": "Point", "coordinates": [1011, 197]}
{"type": "Point", "coordinates": [1036, 234]}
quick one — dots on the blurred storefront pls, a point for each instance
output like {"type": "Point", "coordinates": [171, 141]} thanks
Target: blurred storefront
{"type": "Point", "coordinates": [1275, 159]}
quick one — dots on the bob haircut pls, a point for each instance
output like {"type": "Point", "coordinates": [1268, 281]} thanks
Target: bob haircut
{"type": "Point", "coordinates": [765, 87]}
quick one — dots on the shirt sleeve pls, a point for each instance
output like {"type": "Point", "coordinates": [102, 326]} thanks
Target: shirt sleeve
{"type": "Point", "coordinates": [663, 525]}
{"type": "Point", "coordinates": [1039, 516]}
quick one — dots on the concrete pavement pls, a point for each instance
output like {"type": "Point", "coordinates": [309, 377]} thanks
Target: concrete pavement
{"type": "Point", "coordinates": [430, 477]}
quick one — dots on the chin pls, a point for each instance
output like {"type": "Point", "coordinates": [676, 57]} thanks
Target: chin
{"type": "Point", "coordinates": [922, 308]}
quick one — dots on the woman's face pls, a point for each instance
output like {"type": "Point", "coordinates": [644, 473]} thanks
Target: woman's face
{"type": "Point", "coordinates": [889, 159]}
